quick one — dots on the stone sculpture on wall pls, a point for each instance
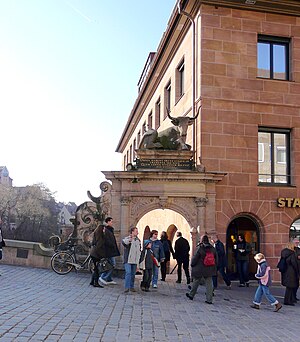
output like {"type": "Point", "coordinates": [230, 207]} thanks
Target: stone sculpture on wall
{"type": "Point", "coordinates": [172, 138]}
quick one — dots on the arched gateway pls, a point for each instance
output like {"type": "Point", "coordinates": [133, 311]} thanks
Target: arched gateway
{"type": "Point", "coordinates": [164, 183]}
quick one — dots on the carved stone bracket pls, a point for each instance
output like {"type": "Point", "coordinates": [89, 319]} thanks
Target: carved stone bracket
{"type": "Point", "coordinates": [201, 201]}
{"type": "Point", "coordinates": [163, 202]}
{"type": "Point", "coordinates": [125, 200]}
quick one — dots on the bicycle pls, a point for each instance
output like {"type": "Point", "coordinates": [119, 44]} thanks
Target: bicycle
{"type": "Point", "coordinates": [64, 260]}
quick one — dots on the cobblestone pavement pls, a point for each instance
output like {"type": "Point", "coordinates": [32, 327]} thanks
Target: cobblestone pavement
{"type": "Point", "coordinates": [39, 305]}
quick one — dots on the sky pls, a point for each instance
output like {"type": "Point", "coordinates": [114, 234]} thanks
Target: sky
{"type": "Point", "coordinates": [68, 81]}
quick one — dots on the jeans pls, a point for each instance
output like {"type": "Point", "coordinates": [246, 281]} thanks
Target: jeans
{"type": "Point", "coordinates": [107, 275]}
{"type": "Point", "coordinates": [224, 276]}
{"type": "Point", "coordinates": [155, 275]}
{"type": "Point", "coordinates": [264, 290]}
{"type": "Point", "coordinates": [208, 286]}
{"type": "Point", "coordinates": [130, 270]}
{"type": "Point", "coordinates": [242, 268]}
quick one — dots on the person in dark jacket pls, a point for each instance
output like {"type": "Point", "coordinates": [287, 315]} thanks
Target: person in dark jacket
{"type": "Point", "coordinates": [182, 250]}
{"type": "Point", "coordinates": [168, 249]}
{"type": "Point", "coordinates": [158, 252]}
{"type": "Point", "coordinates": [290, 277]}
{"type": "Point", "coordinates": [222, 262]}
{"type": "Point", "coordinates": [203, 270]}
{"type": "Point", "coordinates": [242, 250]}
{"type": "Point", "coordinates": [297, 251]}
{"type": "Point", "coordinates": [97, 251]}
{"type": "Point", "coordinates": [111, 251]}
{"type": "Point", "coordinates": [146, 264]}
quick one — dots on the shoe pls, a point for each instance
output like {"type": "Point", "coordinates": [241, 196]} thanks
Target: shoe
{"type": "Point", "coordinates": [98, 285]}
{"type": "Point", "coordinates": [189, 287]}
{"type": "Point", "coordinates": [207, 302]}
{"type": "Point", "coordinates": [189, 296]}
{"type": "Point", "coordinates": [133, 290]}
{"type": "Point", "coordinates": [178, 281]}
{"type": "Point", "coordinates": [163, 279]}
{"type": "Point", "coordinates": [228, 287]}
{"type": "Point", "coordinates": [126, 290]}
{"type": "Point", "coordinates": [147, 290]}
{"type": "Point", "coordinates": [154, 286]}
{"type": "Point", "coordinates": [242, 285]}
{"type": "Point", "coordinates": [278, 306]}
{"type": "Point", "coordinates": [103, 281]}
{"type": "Point", "coordinates": [111, 282]}
{"type": "Point", "coordinates": [254, 306]}
{"type": "Point", "coordinates": [247, 284]}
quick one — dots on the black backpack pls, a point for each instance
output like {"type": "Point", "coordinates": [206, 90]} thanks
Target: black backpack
{"type": "Point", "coordinates": [282, 265]}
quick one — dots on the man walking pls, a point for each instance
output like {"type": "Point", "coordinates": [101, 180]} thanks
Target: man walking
{"type": "Point", "coordinates": [182, 249]}
{"type": "Point", "coordinates": [222, 262]}
{"type": "Point", "coordinates": [111, 251]}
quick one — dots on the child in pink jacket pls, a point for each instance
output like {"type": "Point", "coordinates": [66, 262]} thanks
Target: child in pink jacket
{"type": "Point", "coordinates": [264, 281]}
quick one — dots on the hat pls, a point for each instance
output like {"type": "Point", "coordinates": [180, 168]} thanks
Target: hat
{"type": "Point", "coordinates": [146, 243]}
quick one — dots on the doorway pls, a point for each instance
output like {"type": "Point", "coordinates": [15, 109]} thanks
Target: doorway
{"type": "Point", "coordinates": [247, 226]}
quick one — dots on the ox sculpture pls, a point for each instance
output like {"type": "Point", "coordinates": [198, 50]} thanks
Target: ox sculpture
{"type": "Point", "coordinates": [172, 138]}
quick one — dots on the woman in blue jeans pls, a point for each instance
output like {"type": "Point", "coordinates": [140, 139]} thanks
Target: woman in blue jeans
{"type": "Point", "coordinates": [158, 251]}
{"type": "Point", "coordinates": [264, 283]}
{"type": "Point", "coordinates": [132, 254]}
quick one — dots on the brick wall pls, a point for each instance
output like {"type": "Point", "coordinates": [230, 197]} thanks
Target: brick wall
{"type": "Point", "coordinates": [235, 103]}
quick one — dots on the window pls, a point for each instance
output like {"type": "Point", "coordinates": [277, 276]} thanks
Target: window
{"type": "Point", "coordinates": [273, 57]}
{"type": "Point", "coordinates": [139, 138]}
{"type": "Point", "coordinates": [261, 152]}
{"type": "Point", "coordinates": [274, 167]}
{"type": "Point", "coordinates": [167, 99]}
{"type": "Point", "coordinates": [150, 120]}
{"type": "Point", "coordinates": [157, 113]}
{"type": "Point", "coordinates": [134, 148]}
{"type": "Point", "coordinates": [130, 154]}
{"type": "Point", "coordinates": [144, 129]}
{"type": "Point", "coordinates": [179, 80]}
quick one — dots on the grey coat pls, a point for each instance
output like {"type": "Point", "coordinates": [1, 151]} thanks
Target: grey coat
{"type": "Point", "coordinates": [199, 270]}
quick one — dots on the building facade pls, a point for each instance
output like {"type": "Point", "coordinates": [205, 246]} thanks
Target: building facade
{"type": "Point", "coordinates": [240, 61]}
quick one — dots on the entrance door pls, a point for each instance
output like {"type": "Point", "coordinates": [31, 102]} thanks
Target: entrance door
{"type": "Point", "coordinates": [249, 228]}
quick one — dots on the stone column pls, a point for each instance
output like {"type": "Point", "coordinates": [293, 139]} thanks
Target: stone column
{"type": "Point", "coordinates": [200, 206]}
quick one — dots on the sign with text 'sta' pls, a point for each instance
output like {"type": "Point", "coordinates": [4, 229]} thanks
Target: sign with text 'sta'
{"type": "Point", "coordinates": [288, 202]}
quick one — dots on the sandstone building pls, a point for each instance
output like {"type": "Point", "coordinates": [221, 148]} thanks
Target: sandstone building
{"type": "Point", "coordinates": [239, 60]}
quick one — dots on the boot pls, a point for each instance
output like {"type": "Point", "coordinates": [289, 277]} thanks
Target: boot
{"type": "Point", "coordinates": [254, 306]}
{"type": "Point", "coordinates": [278, 306]}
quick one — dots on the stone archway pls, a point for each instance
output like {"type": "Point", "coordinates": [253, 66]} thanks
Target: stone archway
{"type": "Point", "coordinates": [189, 193]}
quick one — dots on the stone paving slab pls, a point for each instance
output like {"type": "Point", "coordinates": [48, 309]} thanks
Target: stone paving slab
{"type": "Point", "coordinates": [39, 305]}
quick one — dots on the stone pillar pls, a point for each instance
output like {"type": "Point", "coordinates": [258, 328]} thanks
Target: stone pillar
{"type": "Point", "coordinates": [200, 206]}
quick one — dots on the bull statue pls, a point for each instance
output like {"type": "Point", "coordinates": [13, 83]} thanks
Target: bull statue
{"type": "Point", "coordinates": [172, 138]}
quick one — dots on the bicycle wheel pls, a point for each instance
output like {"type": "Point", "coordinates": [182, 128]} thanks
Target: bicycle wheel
{"type": "Point", "coordinates": [61, 262]}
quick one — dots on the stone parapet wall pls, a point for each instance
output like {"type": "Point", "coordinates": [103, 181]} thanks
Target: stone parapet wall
{"type": "Point", "coordinates": [24, 253]}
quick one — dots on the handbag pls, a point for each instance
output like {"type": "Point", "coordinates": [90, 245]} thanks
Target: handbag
{"type": "Point", "coordinates": [104, 265]}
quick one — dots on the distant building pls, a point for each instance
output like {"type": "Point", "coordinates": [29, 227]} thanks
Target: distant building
{"type": "Point", "coordinates": [67, 211]}
{"type": "Point", "coordinates": [4, 176]}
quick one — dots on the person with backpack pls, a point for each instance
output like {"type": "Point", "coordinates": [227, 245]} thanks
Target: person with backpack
{"type": "Point", "coordinates": [168, 249]}
{"type": "Point", "coordinates": [290, 278]}
{"type": "Point", "coordinates": [204, 267]}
